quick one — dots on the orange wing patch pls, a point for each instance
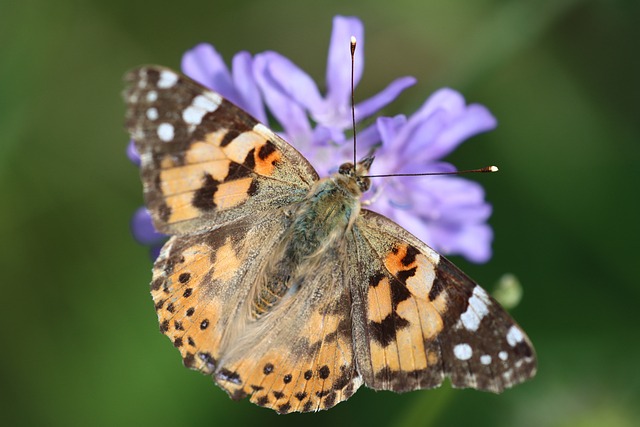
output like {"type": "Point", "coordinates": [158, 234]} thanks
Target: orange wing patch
{"type": "Point", "coordinates": [402, 322]}
{"type": "Point", "coordinates": [186, 316]}
{"type": "Point", "coordinates": [311, 370]}
{"type": "Point", "coordinates": [233, 193]}
{"type": "Point", "coordinates": [218, 172]}
{"type": "Point", "coordinates": [195, 290]}
{"type": "Point", "coordinates": [399, 313]}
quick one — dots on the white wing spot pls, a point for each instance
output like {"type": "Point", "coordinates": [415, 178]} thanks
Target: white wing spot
{"type": "Point", "coordinates": [263, 130]}
{"type": "Point", "coordinates": [476, 310]}
{"type": "Point", "coordinates": [152, 96]}
{"type": "Point", "coordinates": [200, 106]}
{"type": "Point", "coordinates": [485, 359]}
{"type": "Point", "coordinates": [192, 115]}
{"type": "Point", "coordinates": [152, 113]}
{"type": "Point", "coordinates": [167, 79]}
{"type": "Point", "coordinates": [165, 132]}
{"type": "Point", "coordinates": [142, 76]}
{"type": "Point", "coordinates": [514, 336]}
{"type": "Point", "coordinates": [503, 355]}
{"type": "Point", "coordinates": [209, 101]}
{"type": "Point", "coordinates": [463, 351]}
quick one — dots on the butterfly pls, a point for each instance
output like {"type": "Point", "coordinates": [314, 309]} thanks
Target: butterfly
{"type": "Point", "coordinates": [280, 285]}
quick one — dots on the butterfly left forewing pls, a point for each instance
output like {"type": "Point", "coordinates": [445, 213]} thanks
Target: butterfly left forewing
{"type": "Point", "coordinates": [422, 319]}
{"type": "Point", "coordinates": [204, 161]}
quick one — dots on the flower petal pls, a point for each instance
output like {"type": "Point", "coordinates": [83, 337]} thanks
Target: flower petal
{"type": "Point", "coordinates": [339, 62]}
{"type": "Point", "coordinates": [289, 79]}
{"type": "Point", "coordinates": [472, 241]}
{"type": "Point", "coordinates": [474, 120]}
{"type": "Point", "coordinates": [132, 153]}
{"type": "Point", "coordinates": [414, 141]}
{"type": "Point", "coordinates": [443, 99]}
{"type": "Point", "coordinates": [430, 116]}
{"type": "Point", "coordinates": [447, 192]}
{"type": "Point", "coordinates": [143, 230]}
{"type": "Point", "coordinates": [368, 141]}
{"type": "Point", "coordinates": [441, 211]}
{"type": "Point", "coordinates": [372, 105]}
{"type": "Point", "coordinates": [247, 87]}
{"type": "Point", "coordinates": [383, 134]}
{"type": "Point", "coordinates": [288, 113]}
{"type": "Point", "coordinates": [206, 66]}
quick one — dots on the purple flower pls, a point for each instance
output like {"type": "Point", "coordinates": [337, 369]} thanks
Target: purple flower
{"type": "Point", "coordinates": [132, 153]}
{"type": "Point", "coordinates": [294, 98]}
{"type": "Point", "coordinates": [448, 213]}
{"type": "Point", "coordinates": [145, 233]}
{"type": "Point", "coordinates": [142, 227]}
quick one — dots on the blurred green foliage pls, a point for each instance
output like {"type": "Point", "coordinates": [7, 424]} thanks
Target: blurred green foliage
{"type": "Point", "coordinates": [81, 343]}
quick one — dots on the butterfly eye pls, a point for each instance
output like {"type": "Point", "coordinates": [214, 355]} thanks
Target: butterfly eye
{"type": "Point", "coordinates": [346, 169]}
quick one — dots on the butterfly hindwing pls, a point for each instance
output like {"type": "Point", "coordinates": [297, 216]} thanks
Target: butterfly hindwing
{"type": "Point", "coordinates": [200, 283]}
{"type": "Point", "coordinates": [204, 161]}
{"type": "Point", "coordinates": [422, 319]}
{"type": "Point", "coordinates": [298, 357]}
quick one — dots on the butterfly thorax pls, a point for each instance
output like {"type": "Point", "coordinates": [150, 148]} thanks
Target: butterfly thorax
{"type": "Point", "coordinates": [318, 224]}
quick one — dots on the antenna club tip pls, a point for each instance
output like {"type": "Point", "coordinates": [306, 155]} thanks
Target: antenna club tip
{"type": "Point", "coordinates": [353, 40]}
{"type": "Point", "coordinates": [493, 169]}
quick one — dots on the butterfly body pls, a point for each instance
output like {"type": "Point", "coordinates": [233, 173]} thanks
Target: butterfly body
{"type": "Point", "coordinates": [318, 226]}
{"type": "Point", "coordinates": [280, 285]}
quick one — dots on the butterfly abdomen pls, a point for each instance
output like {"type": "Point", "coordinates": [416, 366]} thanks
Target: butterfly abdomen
{"type": "Point", "coordinates": [321, 220]}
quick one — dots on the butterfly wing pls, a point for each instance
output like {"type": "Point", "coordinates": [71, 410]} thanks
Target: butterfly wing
{"type": "Point", "coordinates": [299, 357]}
{"type": "Point", "coordinates": [204, 161]}
{"type": "Point", "coordinates": [421, 319]}
{"type": "Point", "coordinates": [200, 283]}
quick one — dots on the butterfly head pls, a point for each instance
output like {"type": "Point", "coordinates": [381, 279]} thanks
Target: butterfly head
{"type": "Point", "coordinates": [357, 176]}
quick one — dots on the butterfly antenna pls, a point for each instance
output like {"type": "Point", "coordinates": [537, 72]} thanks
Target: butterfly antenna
{"type": "Point", "coordinates": [485, 169]}
{"type": "Point", "coordinates": [353, 122]}
{"type": "Point", "coordinates": [353, 101]}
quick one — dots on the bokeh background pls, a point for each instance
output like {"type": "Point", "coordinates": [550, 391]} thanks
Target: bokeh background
{"type": "Point", "coordinates": [80, 341]}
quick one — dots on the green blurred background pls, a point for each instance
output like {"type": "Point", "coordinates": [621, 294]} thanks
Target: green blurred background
{"type": "Point", "coordinates": [81, 343]}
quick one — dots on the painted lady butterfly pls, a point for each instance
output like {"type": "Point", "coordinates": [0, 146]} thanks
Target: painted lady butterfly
{"type": "Point", "coordinates": [280, 285]}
